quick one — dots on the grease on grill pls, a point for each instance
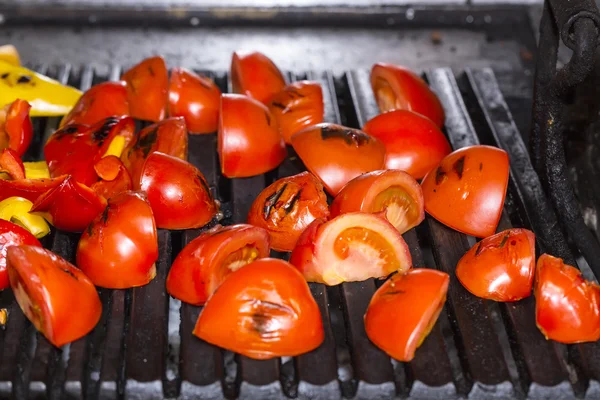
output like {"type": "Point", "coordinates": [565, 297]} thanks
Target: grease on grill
{"type": "Point", "coordinates": [349, 135]}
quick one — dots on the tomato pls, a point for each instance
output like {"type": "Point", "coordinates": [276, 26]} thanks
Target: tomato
{"type": "Point", "coordinates": [404, 310]}
{"type": "Point", "coordinates": [107, 99]}
{"type": "Point", "coordinates": [249, 141]}
{"type": "Point", "coordinates": [147, 85]}
{"type": "Point", "coordinates": [11, 164]}
{"type": "Point", "coordinates": [114, 177]}
{"type": "Point", "coordinates": [466, 191]}
{"type": "Point", "coordinates": [412, 142]}
{"type": "Point", "coordinates": [350, 247]}
{"type": "Point", "coordinates": [286, 207]}
{"type": "Point", "coordinates": [206, 261]}
{"type": "Point", "coordinates": [177, 191]}
{"type": "Point", "coordinates": [394, 193]}
{"type": "Point", "coordinates": [12, 235]}
{"type": "Point", "coordinates": [567, 307]}
{"type": "Point", "coordinates": [337, 154]}
{"type": "Point", "coordinates": [398, 88]}
{"type": "Point", "coordinates": [255, 75]}
{"type": "Point", "coordinates": [58, 299]}
{"type": "Point", "coordinates": [296, 107]}
{"type": "Point", "coordinates": [29, 189]}
{"type": "Point", "coordinates": [16, 130]}
{"type": "Point", "coordinates": [195, 98]}
{"type": "Point", "coordinates": [262, 310]}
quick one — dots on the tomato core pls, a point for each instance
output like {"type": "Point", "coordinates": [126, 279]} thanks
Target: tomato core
{"type": "Point", "coordinates": [400, 208]}
{"type": "Point", "coordinates": [387, 99]}
{"type": "Point", "coordinates": [241, 257]}
{"type": "Point", "coordinates": [365, 244]}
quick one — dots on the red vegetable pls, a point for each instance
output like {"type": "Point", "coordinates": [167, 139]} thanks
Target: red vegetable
{"type": "Point", "coordinates": [16, 130]}
{"type": "Point", "coordinates": [12, 235]}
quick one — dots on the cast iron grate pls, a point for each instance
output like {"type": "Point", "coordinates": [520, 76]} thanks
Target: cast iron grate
{"type": "Point", "coordinates": [143, 347]}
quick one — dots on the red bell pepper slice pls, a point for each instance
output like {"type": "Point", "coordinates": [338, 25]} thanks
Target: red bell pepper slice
{"type": "Point", "coordinates": [114, 177]}
{"type": "Point", "coordinates": [98, 103]}
{"type": "Point", "coordinates": [29, 189]}
{"type": "Point", "coordinates": [11, 163]}
{"type": "Point", "coordinates": [16, 130]}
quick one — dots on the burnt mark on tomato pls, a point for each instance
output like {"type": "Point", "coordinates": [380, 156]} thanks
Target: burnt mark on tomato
{"type": "Point", "coordinates": [268, 117]}
{"type": "Point", "coordinates": [100, 135]}
{"type": "Point", "coordinates": [105, 214]}
{"type": "Point", "coordinates": [272, 200]}
{"type": "Point", "coordinates": [294, 92]}
{"type": "Point", "coordinates": [459, 166]}
{"type": "Point", "coordinates": [151, 71]}
{"type": "Point", "coordinates": [394, 292]}
{"type": "Point", "coordinates": [285, 109]}
{"type": "Point", "coordinates": [205, 186]}
{"type": "Point", "coordinates": [292, 203]}
{"type": "Point", "coordinates": [264, 318]}
{"type": "Point", "coordinates": [439, 175]}
{"type": "Point", "coordinates": [70, 273]}
{"type": "Point", "coordinates": [504, 240]}
{"type": "Point", "coordinates": [478, 250]}
{"type": "Point", "coordinates": [349, 135]}
{"type": "Point", "coordinates": [23, 79]}
{"type": "Point", "coordinates": [90, 230]}
{"type": "Point", "coordinates": [481, 166]}
{"type": "Point", "coordinates": [145, 141]}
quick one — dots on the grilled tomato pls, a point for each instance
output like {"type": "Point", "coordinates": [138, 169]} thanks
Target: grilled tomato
{"type": "Point", "coordinates": [107, 99]}
{"type": "Point", "coordinates": [12, 235]}
{"type": "Point", "coordinates": [255, 75]}
{"type": "Point", "coordinates": [147, 85]}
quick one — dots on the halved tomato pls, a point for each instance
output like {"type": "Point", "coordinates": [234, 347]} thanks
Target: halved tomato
{"type": "Point", "coordinates": [16, 130]}
{"type": "Point", "coordinates": [262, 310]}
{"type": "Point", "coordinates": [114, 177]}
{"type": "Point", "coordinates": [255, 75]}
{"type": "Point", "coordinates": [206, 261]}
{"type": "Point", "coordinates": [147, 85]}
{"type": "Point", "coordinates": [29, 189]}
{"type": "Point", "coordinates": [107, 99]}
{"type": "Point", "coordinates": [12, 235]}
{"type": "Point", "coordinates": [11, 164]}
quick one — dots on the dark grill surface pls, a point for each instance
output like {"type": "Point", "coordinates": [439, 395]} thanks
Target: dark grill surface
{"type": "Point", "coordinates": [143, 347]}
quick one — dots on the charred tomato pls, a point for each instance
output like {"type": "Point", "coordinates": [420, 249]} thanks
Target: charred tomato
{"type": "Point", "coordinates": [16, 130]}
{"type": "Point", "coordinates": [107, 99]}
{"type": "Point", "coordinates": [29, 189]}
{"type": "Point", "coordinates": [147, 85]}
{"type": "Point", "coordinates": [12, 235]}
{"type": "Point", "coordinates": [255, 75]}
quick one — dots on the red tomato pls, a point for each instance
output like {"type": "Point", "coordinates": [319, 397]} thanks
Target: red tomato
{"type": "Point", "coordinates": [29, 189]}
{"type": "Point", "coordinates": [567, 307]}
{"type": "Point", "coordinates": [12, 235]}
{"type": "Point", "coordinates": [16, 130]}
{"type": "Point", "coordinates": [147, 85]}
{"type": "Point", "coordinates": [351, 247]}
{"type": "Point", "coordinates": [177, 191]}
{"type": "Point", "coordinates": [206, 261]}
{"type": "Point", "coordinates": [412, 142]}
{"type": "Point", "coordinates": [263, 310]}
{"type": "Point", "coordinates": [249, 141]}
{"type": "Point", "coordinates": [114, 177]}
{"type": "Point", "coordinates": [397, 88]}
{"type": "Point", "coordinates": [337, 154]}
{"type": "Point", "coordinates": [107, 99]}
{"type": "Point", "coordinates": [255, 75]}
{"type": "Point", "coordinates": [296, 107]}
{"type": "Point", "coordinates": [58, 299]}
{"type": "Point", "coordinates": [286, 207]}
{"type": "Point", "coordinates": [466, 191]}
{"type": "Point", "coordinates": [404, 310]}
{"type": "Point", "coordinates": [11, 164]}
{"type": "Point", "coordinates": [394, 193]}
{"type": "Point", "coordinates": [195, 98]}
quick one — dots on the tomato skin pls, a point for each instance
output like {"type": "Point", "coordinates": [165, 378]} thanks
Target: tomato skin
{"type": "Point", "coordinates": [413, 143]}
{"type": "Point", "coordinates": [114, 177]}
{"type": "Point", "coordinates": [404, 309]}
{"type": "Point", "coordinates": [11, 163]}
{"type": "Point", "coordinates": [177, 191]}
{"type": "Point", "coordinates": [256, 76]}
{"type": "Point", "coordinates": [262, 310]}
{"type": "Point", "coordinates": [201, 266]}
{"type": "Point", "coordinates": [361, 194]}
{"type": "Point", "coordinates": [107, 99]}
{"type": "Point", "coordinates": [336, 154]}
{"type": "Point", "coordinates": [249, 140]}
{"type": "Point", "coordinates": [396, 87]}
{"type": "Point", "coordinates": [297, 106]}
{"type": "Point", "coordinates": [195, 98]}
{"type": "Point", "coordinates": [467, 189]}
{"type": "Point", "coordinates": [567, 307]}
{"type": "Point", "coordinates": [12, 235]}
{"type": "Point", "coordinates": [29, 189]}
{"type": "Point", "coordinates": [147, 85]}
{"type": "Point", "coordinates": [16, 129]}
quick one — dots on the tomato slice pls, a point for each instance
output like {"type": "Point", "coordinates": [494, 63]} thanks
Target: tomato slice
{"type": "Point", "coordinates": [16, 130]}
{"type": "Point", "coordinates": [296, 107]}
{"type": "Point", "coordinates": [394, 193]}
{"type": "Point", "coordinates": [177, 191]}
{"type": "Point", "coordinates": [286, 207]}
{"type": "Point", "coordinates": [255, 75]}
{"type": "Point", "coordinates": [337, 154]}
{"type": "Point", "coordinates": [466, 191]}
{"type": "Point", "coordinates": [29, 189]}
{"type": "Point", "coordinates": [12, 235]}
{"type": "Point", "coordinates": [249, 140]}
{"type": "Point", "coordinates": [11, 164]}
{"type": "Point", "coordinates": [567, 307]}
{"type": "Point", "coordinates": [195, 98]}
{"type": "Point", "coordinates": [58, 299]}
{"type": "Point", "coordinates": [147, 85]}
{"type": "Point", "coordinates": [206, 261]}
{"type": "Point", "coordinates": [398, 88]}
{"type": "Point", "coordinates": [114, 177]}
{"type": "Point", "coordinates": [404, 310]}
{"type": "Point", "coordinates": [262, 310]}
{"type": "Point", "coordinates": [107, 99]}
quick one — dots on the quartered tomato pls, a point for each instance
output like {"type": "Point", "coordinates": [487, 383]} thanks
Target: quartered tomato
{"type": "Point", "coordinates": [29, 189]}
{"type": "Point", "coordinates": [262, 310]}
{"type": "Point", "coordinates": [255, 75]}
{"type": "Point", "coordinates": [567, 307]}
{"type": "Point", "coordinates": [177, 191]}
{"type": "Point", "coordinates": [286, 207]}
{"type": "Point", "coordinates": [58, 299]}
{"type": "Point", "coordinates": [107, 99]}
{"type": "Point", "coordinates": [412, 142]}
{"type": "Point", "coordinates": [249, 141]}
{"type": "Point", "coordinates": [16, 130]}
{"type": "Point", "coordinates": [394, 193]}
{"type": "Point", "coordinates": [206, 261]}
{"type": "Point", "coordinates": [500, 267]}
{"type": "Point", "coordinates": [11, 164]}
{"type": "Point", "coordinates": [398, 88]}
{"type": "Point", "coordinates": [404, 310]}
{"type": "Point", "coordinates": [350, 247]}
{"type": "Point", "coordinates": [147, 85]}
{"type": "Point", "coordinates": [12, 235]}
{"type": "Point", "coordinates": [296, 107]}
{"type": "Point", "coordinates": [337, 154]}
{"type": "Point", "coordinates": [114, 177]}
{"type": "Point", "coordinates": [466, 190]}
{"type": "Point", "coordinates": [195, 98]}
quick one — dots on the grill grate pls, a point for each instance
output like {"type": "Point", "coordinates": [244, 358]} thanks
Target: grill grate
{"type": "Point", "coordinates": [143, 346]}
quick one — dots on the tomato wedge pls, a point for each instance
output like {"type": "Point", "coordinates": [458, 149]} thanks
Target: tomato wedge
{"type": "Point", "coordinates": [209, 259]}
{"type": "Point", "coordinates": [29, 189]}
{"type": "Point", "coordinates": [286, 207]}
{"type": "Point", "coordinates": [262, 310]}
{"type": "Point", "coordinates": [16, 130]}
{"type": "Point", "coordinates": [404, 310]}
{"type": "Point", "coordinates": [58, 299]}
{"type": "Point", "coordinates": [147, 85]}
{"type": "Point", "coordinates": [255, 75]}
{"type": "Point", "coordinates": [114, 177]}
{"type": "Point", "coordinates": [107, 99]}
{"type": "Point", "coordinates": [12, 235]}
{"type": "Point", "coordinates": [11, 164]}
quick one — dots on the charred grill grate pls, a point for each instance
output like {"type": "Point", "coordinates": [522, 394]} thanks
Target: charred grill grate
{"type": "Point", "coordinates": [143, 346]}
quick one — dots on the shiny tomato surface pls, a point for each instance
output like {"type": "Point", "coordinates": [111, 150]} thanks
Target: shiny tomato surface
{"type": "Point", "coordinates": [107, 99]}
{"type": "Point", "coordinates": [11, 164]}
{"type": "Point", "coordinates": [147, 85]}
{"type": "Point", "coordinates": [114, 177]}
{"type": "Point", "coordinates": [29, 189]}
{"type": "Point", "coordinates": [255, 75]}
{"type": "Point", "coordinates": [16, 130]}
{"type": "Point", "coordinates": [12, 235]}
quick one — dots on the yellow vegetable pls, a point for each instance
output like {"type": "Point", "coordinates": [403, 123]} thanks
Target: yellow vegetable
{"type": "Point", "coordinates": [16, 210]}
{"type": "Point", "coordinates": [116, 146]}
{"type": "Point", "coordinates": [36, 170]}
{"type": "Point", "coordinates": [9, 53]}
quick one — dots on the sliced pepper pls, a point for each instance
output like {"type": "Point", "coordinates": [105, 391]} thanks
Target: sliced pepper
{"type": "Point", "coordinates": [16, 130]}
{"type": "Point", "coordinates": [36, 170]}
{"type": "Point", "coordinates": [29, 189]}
{"type": "Point", "coordinates": [9, 54]}
{"type": "Point", "coordinates": [11, 164]}
{"type": "Point", "coordinates": [16, 210]}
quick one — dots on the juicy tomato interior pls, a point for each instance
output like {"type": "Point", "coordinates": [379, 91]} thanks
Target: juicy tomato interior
{"type": "Point", "coordinates": [386, 98]}
{"type": "Point", "coordinates": [399, 206]}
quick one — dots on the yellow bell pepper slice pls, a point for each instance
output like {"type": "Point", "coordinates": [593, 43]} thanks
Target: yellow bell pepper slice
{"type": "Point", "coordinates": [48, 98]}
{"type": "Point", "coordinates": [36, 170]}
{"type": "Point", "coordinates": [9, 53]}
{"type": "Point", "coordinates": [16, 210]}
{"type": "Point", "coordinates": [116, 146]}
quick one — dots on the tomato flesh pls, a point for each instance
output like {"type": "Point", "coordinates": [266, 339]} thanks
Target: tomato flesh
{"type": "Point", "coordinates": [399, 206]}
